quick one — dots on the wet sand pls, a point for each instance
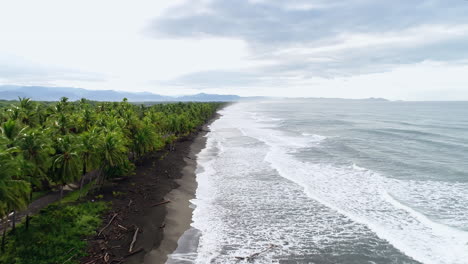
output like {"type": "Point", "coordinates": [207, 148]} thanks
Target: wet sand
{"type": "Point", "coordinates": [179, 212]}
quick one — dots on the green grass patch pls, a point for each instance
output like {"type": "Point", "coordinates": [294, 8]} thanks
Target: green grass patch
{"type": "Point", "coordinates": [55, 235]}
{"type": "Point", "coordinates": [75, 195]}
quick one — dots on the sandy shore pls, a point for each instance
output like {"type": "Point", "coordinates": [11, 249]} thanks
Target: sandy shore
{"type": "Point", "coordinates": [161, 176]}
{"type": "Point", "coordinates": [179, 213]}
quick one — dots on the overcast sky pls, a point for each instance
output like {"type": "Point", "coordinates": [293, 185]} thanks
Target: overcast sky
{"type": "Point", "coordinates": [398, 49]}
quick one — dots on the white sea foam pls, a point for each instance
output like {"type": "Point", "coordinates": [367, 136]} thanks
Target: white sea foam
{"type": "Point", "coordinates": [363, 196]}
{"type": "Point", "coordinates": [314, 136]}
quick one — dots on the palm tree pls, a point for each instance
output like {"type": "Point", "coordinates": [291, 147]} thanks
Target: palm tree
{"type": "Point", "coordinates": [144, 140]}
{"type": "Point", "coordinates": [66, 162]}
{"type": "Point", "coordinates": [87, 118]}
{"type": "Point", "coordinates": [10, 132]}
{"type": "Point", "coordinates": [113, 153]}
{"type": "Point", "coordinates": [62, 122]}
{"type": "Point", "coordinates": [26, 105]}
{"type": "Point", "coordinates": [14, 112]}
{"type": "Point", "coordinates": [35, 149]}
{"type": "Point", "coordinates": [13, 191]}
{"type": "Point", "coordinates": [87, 152]}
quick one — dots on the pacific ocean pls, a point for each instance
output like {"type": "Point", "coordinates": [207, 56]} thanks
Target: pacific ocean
{"type": "Point", "coordinates": [332, 181]}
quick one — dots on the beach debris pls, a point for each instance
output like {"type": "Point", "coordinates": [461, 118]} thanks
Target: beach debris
{"type": "Point", "coordinates": [108, 224]}
{"type": "Point", "coordinates": [70, 258]}
{"type": "Point", "coordinates": [91, 261]}
{"type": "Point", "coordinates": [106, 257]}
{"type": "Point", "coordinates": [161, 203]}
{"type": "Point", "coordinates": [134, 252]}
{"type": "Point", "coordinates": [70, 250]}
{"type": "Point", "coordinates": [254, 255]}
{"type": "Point", "coordinates": [133, 240]}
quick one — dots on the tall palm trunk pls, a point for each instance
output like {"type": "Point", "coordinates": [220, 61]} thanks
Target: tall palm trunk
{"type": "Point", "coordinates": [13, 222]}
{"type": "Point", "coordinates": [28, 218]}
{"type": "Point", "coordinates": [5, 227]}
{"type": "Point", "coordinates": [61, 191]}
{"type": "Point", "coordinates": [82, 178]}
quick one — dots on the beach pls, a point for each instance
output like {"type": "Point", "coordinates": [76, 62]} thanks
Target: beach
{"type": "Point", "coordinates": [151, 206]}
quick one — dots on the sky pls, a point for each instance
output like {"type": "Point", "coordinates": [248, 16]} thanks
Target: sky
{"type": "Point", "coordinates": [399, 49]}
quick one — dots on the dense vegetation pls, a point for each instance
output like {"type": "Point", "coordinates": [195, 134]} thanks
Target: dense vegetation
{"type": "Point", "coordinates": [45, 146]}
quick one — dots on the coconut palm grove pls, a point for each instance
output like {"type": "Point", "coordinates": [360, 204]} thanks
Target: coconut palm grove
{"type": "Point", "coordinates": [45, 146]}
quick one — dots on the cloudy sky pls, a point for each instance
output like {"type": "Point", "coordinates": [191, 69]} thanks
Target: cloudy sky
{"type": "Point", "coordinates": [399, 49]}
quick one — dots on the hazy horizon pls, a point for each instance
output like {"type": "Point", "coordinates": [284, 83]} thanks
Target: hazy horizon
{"type": "Point", "coordinates": [396, 50]}
{"type": "Point", "coordinates": [266, 97]}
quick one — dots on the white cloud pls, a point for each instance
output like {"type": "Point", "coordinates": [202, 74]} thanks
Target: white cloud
{"type": "Point", "coordinates": [107, 45]}
{"type": "Point", "coordinates": [422, 81]}
{"type": "Point", "coordinates": [104, 38]}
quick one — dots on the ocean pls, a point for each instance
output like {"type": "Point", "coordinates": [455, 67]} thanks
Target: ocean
{"type": "Point", "coordinates": [332, 181]}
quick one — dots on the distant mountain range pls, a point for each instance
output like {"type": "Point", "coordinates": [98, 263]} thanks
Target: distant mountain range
{"type": "Point", "coordinates": [42, 93]}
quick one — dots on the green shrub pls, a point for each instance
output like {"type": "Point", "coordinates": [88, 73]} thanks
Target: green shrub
{"type": "Point", "coordinates": [55, 235]}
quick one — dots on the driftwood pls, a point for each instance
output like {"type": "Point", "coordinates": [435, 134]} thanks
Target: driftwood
{"type": "Point", "coordinates": [108, 224]}
{"type": "Point", "coordinates": [123, 227]}
{"type": "Point", "coordinates": [133, 240]}
{"type": "Point", "coordinates": [120, 260]}
{"type": "Point", "coordinates": [254, 255]}
{"type": "Point", "coordinates": [71, 249]}
{"type": "Point", "coordinates": [130, 203]}
{"type": "Point", "coordinates": [134, 252]}
{"type": "Point", "coordinates": [106, 257]}
{"type": "Point", "coordinates": [70, 258]}
{"type": "Point", "coordinates": [161, 203]}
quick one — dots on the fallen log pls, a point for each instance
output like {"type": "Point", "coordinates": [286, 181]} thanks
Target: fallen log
{"type": "Point", "coordinates": [133, 240]}
{"type": "Point", "coordinates": [122, 227]}
{"type": "Point", "coordinates": [134, 252]}
{"type": "Point", "coordinates": [108, 224]}
{"type": "Point", "coordinates": [161, 203]}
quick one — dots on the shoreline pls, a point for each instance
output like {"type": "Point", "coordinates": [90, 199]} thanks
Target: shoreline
{"type": "Point", "coordinates": [179, 212]}
{"type": "Point", "coordinates": [161, 176]}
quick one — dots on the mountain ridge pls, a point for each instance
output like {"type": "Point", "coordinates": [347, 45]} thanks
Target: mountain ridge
{"type": "Point", "coordinates": [45, 93]}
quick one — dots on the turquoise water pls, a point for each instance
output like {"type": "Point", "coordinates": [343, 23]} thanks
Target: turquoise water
{"type": "Point", "coordinates": [333, 181]}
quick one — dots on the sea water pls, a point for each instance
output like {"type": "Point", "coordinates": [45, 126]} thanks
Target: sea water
{"type": "Point", "coordinates": [332, 181]}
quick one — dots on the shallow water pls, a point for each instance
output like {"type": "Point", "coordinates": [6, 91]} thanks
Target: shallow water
{"type": "Point", "coordinates": [332, 181]}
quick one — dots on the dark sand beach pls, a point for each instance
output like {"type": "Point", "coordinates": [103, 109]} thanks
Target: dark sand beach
{"type": "Point", "coordinates": [166, 175]}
